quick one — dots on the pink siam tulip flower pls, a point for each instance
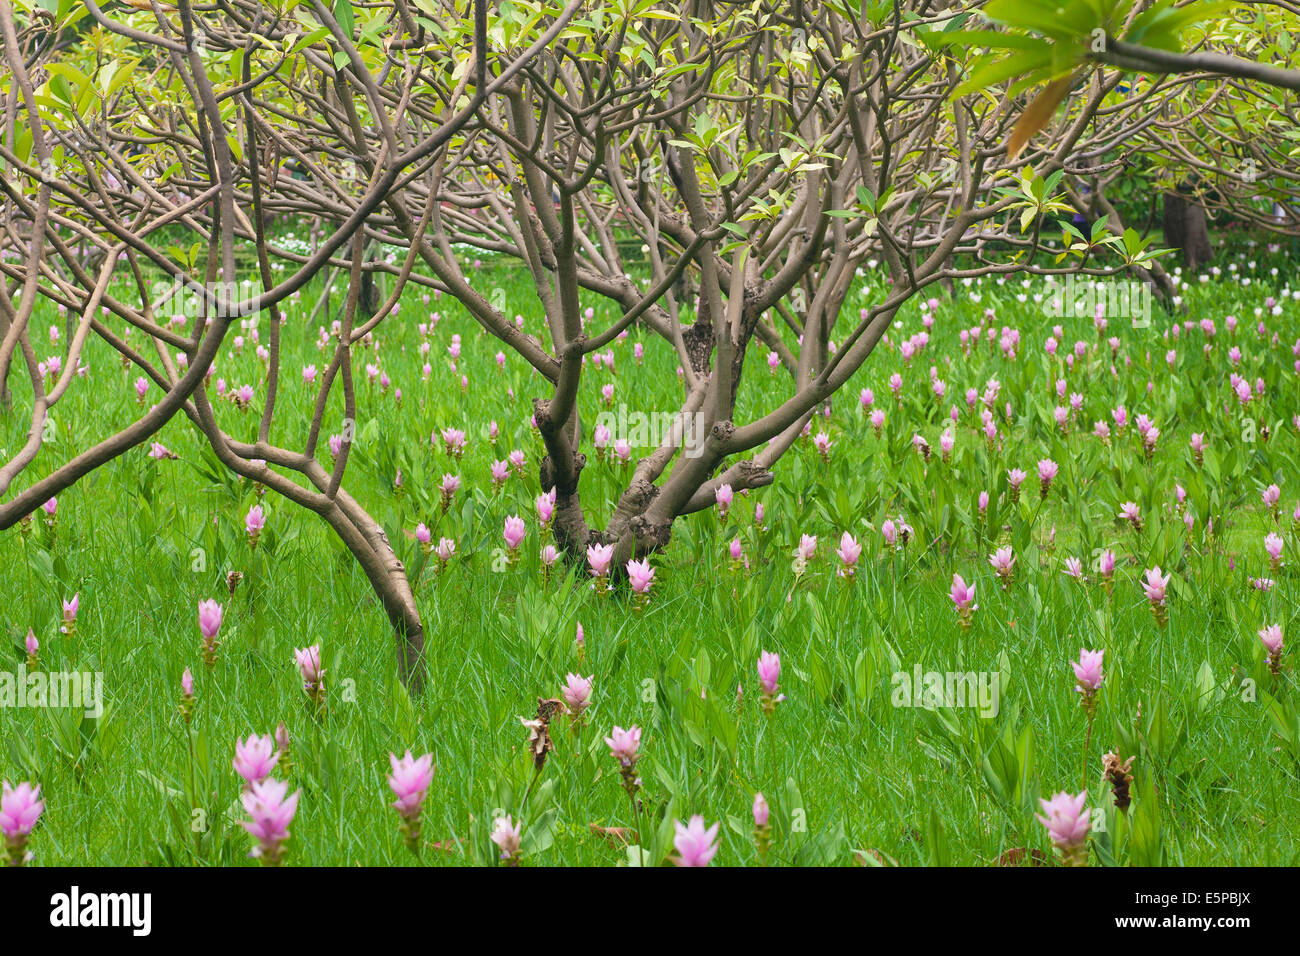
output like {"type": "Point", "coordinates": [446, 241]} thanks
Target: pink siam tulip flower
{"type": "Point", "coordinates": [1271, 637]}
{"type": "Point", "coordinates": [20, 808]}
{"type": "Point", "coordinates": [449, 485]}
{"type": "Point", "coordinates": [769, 674]}
{"type": "Point", "coordinates": [33, 647]}
{"type": "Point", "coordinates": [1197, 444]}
{"type": "Point", "coordinates": [877, 419]}
{"type": "Point", "coordinates": [641, 576]}
{"type": "Point", "coordinates": [410, 781]}
{"type": "Point", "coordinates": [1068, 823]}
{"type": "Point", "coordinates": [849, 551]}
{"type": "Point", "coordinates": [1271, 496]}
{"type": "Point", "coordinates": [309, 665]}
{"type": "Point", "coordinates": [70, 608]}
{"type": "Point", "coordinates": [599, 557]}
{"type": "Point", "coordinates": [1087, 671]}
{"type": "Point", "coordinates": [500, 472]}
{"type": "Point", "coordinates": [1074, 568]}
{"type": "Point", "coordinates": [159, 452]}
{"type": "Point", "coordinates": [424, 537]}
{"type": "Point", "coordinates": [625, 747]}
{"type": "Point", "coordinates": [254, 522]}
{"type": "Point", "coordinates": [209, 625]}
{"type": "Point", "coordinates": [549, 556]}
{"type": "Point", "coordinates": [1003, 563]}
{"type": "Point", "coordinates": [723, 497]}
{"type": "Point", "coordinates": [762, 813]}
{"type": "Point", "coordinates": [545, 508]}
{"type": "Point", "coordinates": [759, 512]}
{"type": "Point", "coordinates": [983, 502]}
{"type": "Point", "coordinates": [963, 598]}
{"type": "Point", "coordinates": [576, 694]}
{"type": "Point", "coordinates": [1047, 471]}
{"type": "Point", "coordinates": [255, 758]}
{"type": "Point", "coordinates": [1130, 512]}
{"type": "Point", "coordinates": [889, 531]}
{"type": "Point", "coordinates": [271, 810]}
{"type": "Point", "coordinates": [1155, 587]}
{"type": "Point", "coordinates": [1273, 544]}
{"type": "Point", "coordinates": [453, 442]}
{"type": "Point", "coordinates": [445, 551]}
{"type": "Point", "coordinates": [823, 443]}
{"type": "Point", "coordinates": [187, 697]}
{"type": "Point", "coordinates": [514, 532]}
{"type": "Point", "coordinates": [1015, 478]}
{"type": "Point", "coordinates": [695, 845]}
{"type": "Point", "coordinates": [737, 553]}
{"type": "Point", "coordinates": [506, 836]}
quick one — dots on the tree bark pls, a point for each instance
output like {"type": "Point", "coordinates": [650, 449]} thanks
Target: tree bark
{"type": "Point", "coordinates": [1187, 228]}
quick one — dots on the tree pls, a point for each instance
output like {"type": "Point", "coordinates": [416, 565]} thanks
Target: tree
{"type": "Point", "coordinates": [761, 154]}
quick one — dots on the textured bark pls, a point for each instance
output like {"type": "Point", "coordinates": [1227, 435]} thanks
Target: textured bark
{"type": "Point", "coordinates": [1187, 228]}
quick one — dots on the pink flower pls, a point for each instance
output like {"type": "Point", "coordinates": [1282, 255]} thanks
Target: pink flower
{"type": "Point", "coordinates": [1273, 545]}
{"type": "Point", "coordinates": [577, 693]}
{"type": "Point", "coordinates": [1106, 563]}
{"type": "Point", "coordinates": [762, 813]}
{"type": "Point", "coordinates": [769, 672]}
{"type": "Point", "coordinates": [254, 521]}
{"type": "Point", "coordinates": [506, 836]}
{"type": "Point", "coordinates": [271, 810]}
{"type": "Point", "coordinates": [625, 745]}
{"type": "Point", "coordinates": [963, 598]}
{"type": "Point", "coordinates": [1271, 636]}
{"type": "Point", "coordinates": [20, 808]}
{"type": "Point", "coordinates": [1003, 562]}
{"type": "Point", "coordinates": [1271, 495]}
{"type": "Point", "coordinates": [849, 551]}
{"type": "Point", "coordinates": [695, 845]}
{"type": "Point", "coordinates": [308, 660]}
{"type": "Point", "coordinates": [514, 532]}
{"type": "Point", "coordinates": [599, 556]}
{"type": "Point", "coordinates": [187, 683]}
{"type": "Point", "coordinates": [70, 609]}
{"type": "Point", "coordinates": [1074, 568]}
{"type": "Point", "coordinates": [723, 497]}
{"type": "Point", "coordinates": [546, 508]}
{"type": "Point", "coordinates": [1047, 470]}
{"type": "Point", "coordinates": [1066, 819]}
{"type": "Point", "coordinates": [410, 782]}
{"type": "Point", "coordinates": [1088, 671]}
{"type": "Point", "coordinates": [1154, 586]}
{"type": "Point", "coordinates": [422, 534]}
{"type": "Point", "coordinates": [255, 758]}
{"type": "Point", "coordinates": [807, 546]}
{"type": "Point", "coordinates": [641, 575]}
{"type": "Point", "coordinates": [209, 618]}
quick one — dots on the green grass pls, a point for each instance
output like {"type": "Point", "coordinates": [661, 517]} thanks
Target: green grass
{"type": "Point", "coordinates": [844, 770]}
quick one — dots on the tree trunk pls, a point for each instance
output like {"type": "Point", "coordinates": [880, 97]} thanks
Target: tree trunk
{"type": "Point", "coordinates": [1187, 228]}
